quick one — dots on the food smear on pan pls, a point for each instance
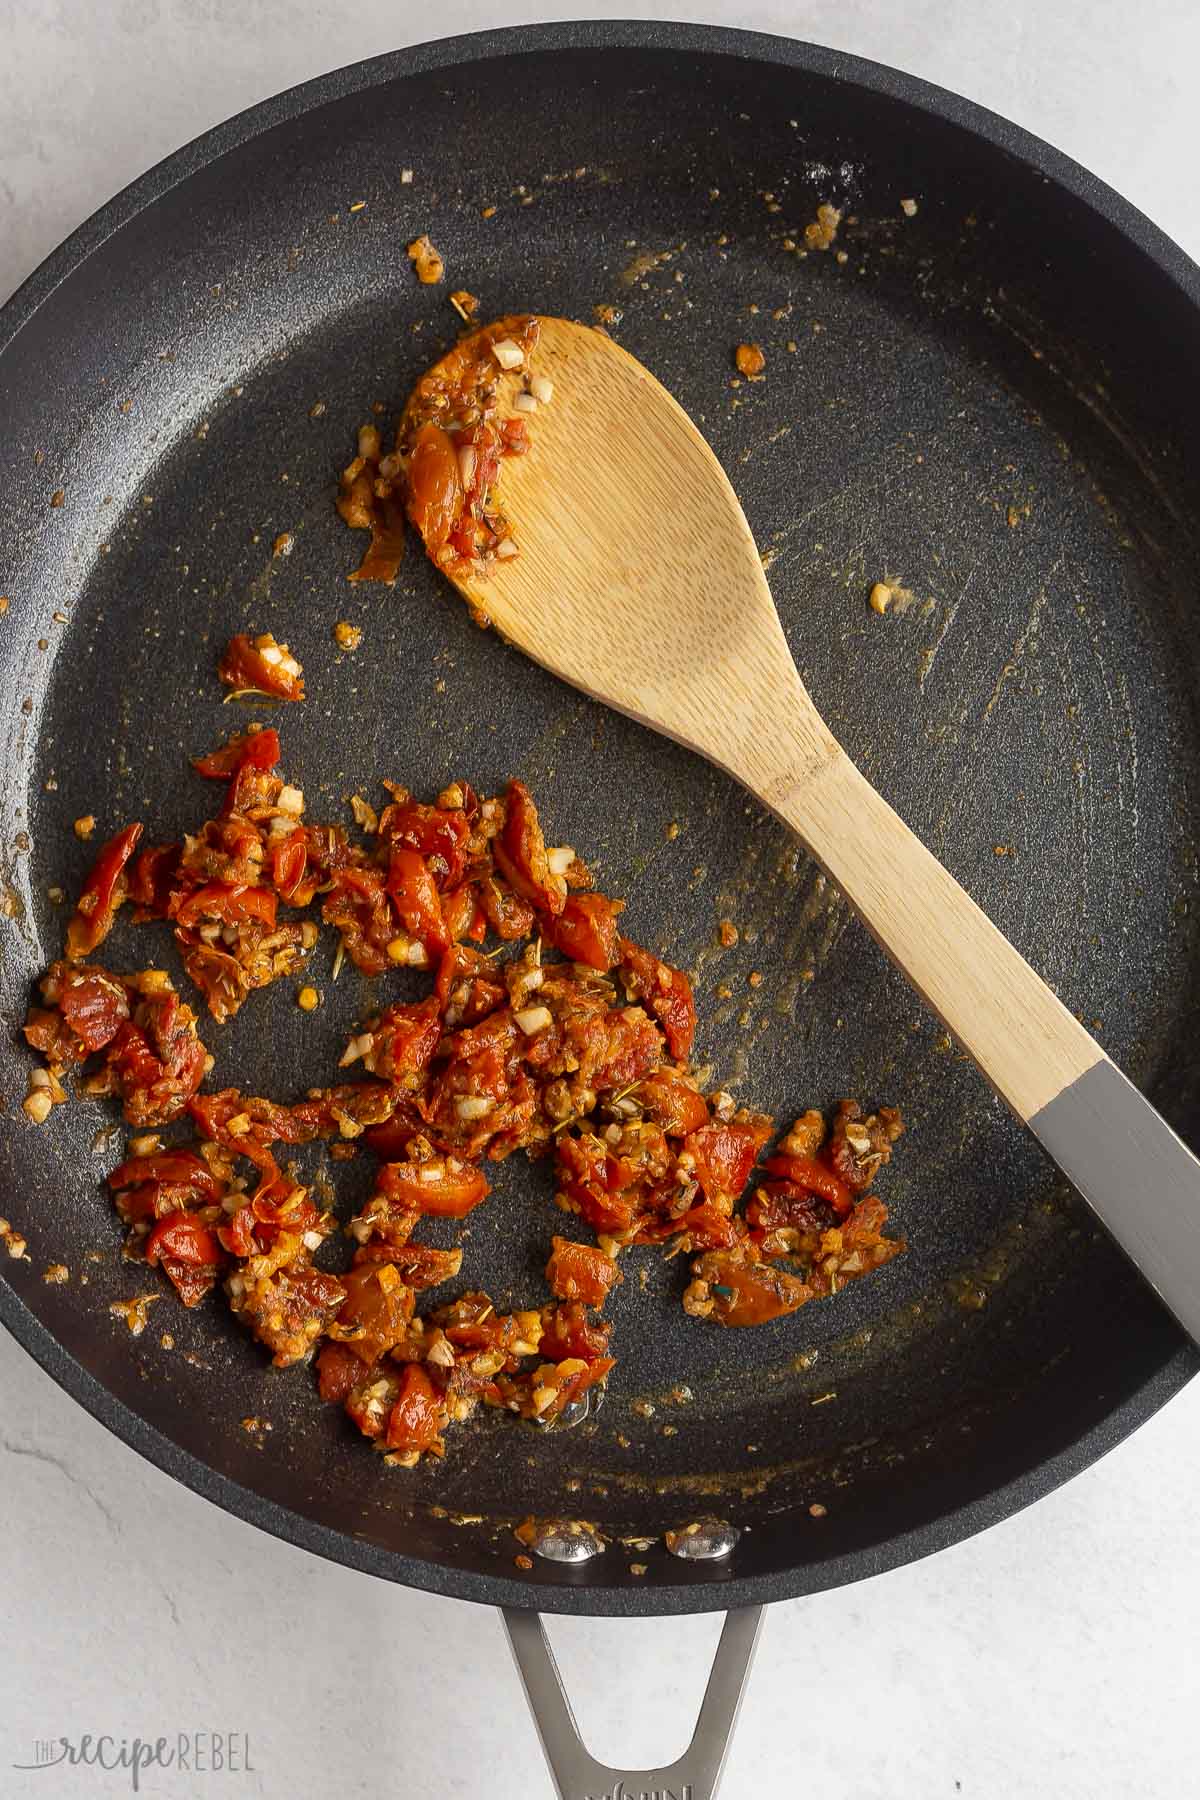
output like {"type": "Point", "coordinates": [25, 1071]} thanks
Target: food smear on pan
{"type": "Point", "coordinates": [545, 1029]}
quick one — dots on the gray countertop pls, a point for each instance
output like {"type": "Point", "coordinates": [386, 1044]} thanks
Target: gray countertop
{"type": "Point", "coordinates": [1054, 1656]}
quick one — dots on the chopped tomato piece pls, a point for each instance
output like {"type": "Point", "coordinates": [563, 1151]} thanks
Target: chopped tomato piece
{"type": "Point", "coordinates": [666, 991]}
{"type": "Point", "coordinates": [289, 861]}
{"type": "Point", "coordinates": [443, 1186]}
{"type": "Point", "coordinates": [580, 1272]}
{"type": "Point", "coordinates": [673, 1100]}
{"type": "Point", "coordinates": [152, 878]}
{"type": "Point", "coordinates": [438, 834]}
{"type": "Point", "coordinates": [509, 916]}
{"type": "Point", "coordinates": [416, 1419]}
{"type": "Point", "coordinates": [189, 1253]}
{"type": "Point", "coordinates": [405, 1039]}
{"type": "Point", "coordinates": [420, 1265]}
{"type": "Point", "coordinates": [725, 1154]}
{"type": "Point", "coordinates": [249, 749]}
{"type": "Point", "coordinates": [247, 664]}
{"type": "Point", "coordinates": [358, 905]}
{"type": "Point", "coordinates": [338, 1369]}
{"type": "Point", "coordinates": [182, 1167]}
{"type": "Point", "coordinates": [103, 892]}
{"type": "Point", "coordinates": [736, 1288]}
{"type": "Point", "coordinates": [94, 1005]}
{"type": "Point", "coordinates": [520, 853]}
{"type": "Point", "coordinates": [231, 905]}
{"type": "Point", "coordinates": [567, 1331]}
{"type": "Point", "coordinates": [586, 930]}
{"type": "Point", "coordinates": [391, 1138]}
{"type": "Point", "coordinates": [415, 896]}
{"type": "Point", "coordinates": [377, 1309]}
{"type": "Point", "coordinates": [467, 989]}
{"type": "Point", "coordinates": [464, 916]}
{"type": "Point", "coordinates": [435, 490]}
{"type": "Point", "coordinates": [814, 1177]}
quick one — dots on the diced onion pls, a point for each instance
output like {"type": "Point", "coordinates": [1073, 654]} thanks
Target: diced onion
{"type": "Point", "coordinates": [524, 403]}
{"type": "Point", "coordinates": [533, 1018]}
{"type": "Point", "coordinates": [312, 1240]}
{"type": "Point", "coordinates": [504, 549]}
{"type": "Point", "coordinates": [542, 389]}
{"type": "Point", "coordinates": [271, 653]}
{"type": "Point", "coordinates": [508, 354]}
{"type": "Point", "coordinates": [467, 459]}
{"type": "Point", "coordinates": [560, 859]}
{"type": "Point", "coordinates": [291, 800]}
{"type": "Point", "coordinates": [473, 1106]}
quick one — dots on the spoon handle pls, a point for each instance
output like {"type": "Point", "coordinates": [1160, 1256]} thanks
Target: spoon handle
{"type": "Point", "coordinates": [1140, 1179]}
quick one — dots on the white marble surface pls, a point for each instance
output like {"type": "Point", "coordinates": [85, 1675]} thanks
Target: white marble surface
{"type": "Point", "coordinates": [1056, 1656]}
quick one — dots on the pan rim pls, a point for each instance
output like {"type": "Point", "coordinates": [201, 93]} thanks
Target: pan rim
{"type": "Point", "coordinates": [1106, 204]}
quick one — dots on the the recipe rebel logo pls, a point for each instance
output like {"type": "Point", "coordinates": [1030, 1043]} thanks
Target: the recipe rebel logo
{"type": "Point", "coordinates": [184, 1753]}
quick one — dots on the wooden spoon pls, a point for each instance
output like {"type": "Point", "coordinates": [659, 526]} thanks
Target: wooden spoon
{"type": "Point", "coordinates": [638, 581]}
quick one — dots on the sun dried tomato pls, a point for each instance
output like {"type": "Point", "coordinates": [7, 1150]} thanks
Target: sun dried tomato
{"type": "Point", "coordinates": [415, 897]}
{"type": "Point", "coordinates": [725, 1154]}
{"type": "Point", "coordinates": [443, 1187]}
{"type": "Point", "coordinates": [814, 1177]}
{"type": "Point", "coordinates": [358, 905]}
{"type": "Point", "coordinates": [440, 835]}
{"type": "Point", "coordinates": [464, 916]}
{"type": "Point", "coordinates": [377, 1309]}
{"type": "Point", "coordinates": [567, 1331]}
{"type": "Point", "coordinates": [249, 749]}
{"type": "Point", "coordinates": [673, 1100]}
{"type": "Point", "coordinates": [338, 1369]}
{"type": "Point", "coordinates": [231, 905]}
{"type": "Point", "coordinates": [103, 892]}
{"type": "Point", "coordinates": [702, 1227]}
{"type": "Point", "coordinates": [405, 1039]}
{"type": "Point", "coordinates": [94, 1005]}
{"type": "Point", "coordinates": [289, 861]}
{"type": "Point", "coordinates": [586, 930]}
{"type": "Point", "coordinates": [593, 1178]}
{"type": "Point", "coordinates": [520, 853]}
{"type": "Point", "coordinates": [514, 436]}
{"type": "Point", "coordinates": [390, 1140]}
{"type": "Point", "coordinates": [666, 991]}
{"type": "Point", "coordinates": [435, 490]}
{"type": "Point", "coordinates": [152, 879]}
{"type": "Point", "coordinates": [243, 665]}
{"type": "Point", "coordinates": [467, 989]}
{"type": "Point", "coordinates": [509, 915]}
{"type": "Point", "coordinates": [219, 976]}
{"type": "Point", "coordinates": [420, 1265]}
{"type": "Point", "coordinates": [189, 1253]}
{"type": "Point", "coordinates": [213, 1112]}
{"type": "Point", "coordinates": [157, 1060]}
{"type": "Point", "coordinates": [416, 1419]}
{"type": "Point", "coordinates": [181, 1167]}
{"type": "Point", "coordinates": [744, 1290]}
{"type": "Point", "coordinates": [580, 1272]}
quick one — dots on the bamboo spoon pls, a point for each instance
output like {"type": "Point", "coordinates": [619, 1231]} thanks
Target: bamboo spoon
{"type": "Point", "coordinates": [638, 581]}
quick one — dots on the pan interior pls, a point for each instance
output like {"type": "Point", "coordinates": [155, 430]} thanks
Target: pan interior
{"type": "Point", "coordinates": [973, 403]}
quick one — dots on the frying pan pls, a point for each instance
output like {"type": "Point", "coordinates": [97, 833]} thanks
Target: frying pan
{"type": "Point", "coordinates": [991, 404]}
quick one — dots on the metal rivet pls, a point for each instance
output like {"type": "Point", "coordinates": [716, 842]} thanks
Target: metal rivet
{"type": "Point", "coordinates": [565, 1541]}
{"type": "Point", "coordinates": [704, 1540]}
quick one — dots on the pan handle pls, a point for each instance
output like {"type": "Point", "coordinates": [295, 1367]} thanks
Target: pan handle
{"type": "Point", "coordinates": [577, 1774]}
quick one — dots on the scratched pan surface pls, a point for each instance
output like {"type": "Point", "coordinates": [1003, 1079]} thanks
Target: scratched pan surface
{"type": "Point", "coordinates": [990, 402]}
